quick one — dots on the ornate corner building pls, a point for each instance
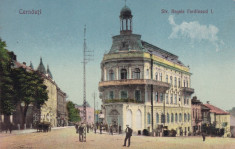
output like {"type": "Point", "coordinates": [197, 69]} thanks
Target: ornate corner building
{"type": "Point", "coordinates": [133, 74]}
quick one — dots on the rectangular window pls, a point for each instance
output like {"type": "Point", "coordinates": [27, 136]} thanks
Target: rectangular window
{"type": "Point", "coordinates": [171, 81]}
{"type": "Point", "coordinates": [161, 97]}
{"type": "Point", "coordinates": [179, 82]}
{"type": "Point", "coordinates": [156, 97]}
{"type": "Point", "coordinates": [167, 102]}
{"type": "Point", "coordinates": [137, 95]}
{"type": "Point", "coordinates": [175, 98]}
{"type": "Point", "coordinates": [123, 94]}
{"type": "Point", "coordinates": [175, 82]}
{"type": "Point", "coordinates": [171, 99]}
{"type": "Point", "coordinates": [156, 75]}
{"type": "Point", "coordinates": [147, 74]}
{"type": "Point", "coordinates": [160, 76]}
{"type": "Point", "coordinates": [111, 95]}
{"type": "Point", "coordinates": [166, 78]}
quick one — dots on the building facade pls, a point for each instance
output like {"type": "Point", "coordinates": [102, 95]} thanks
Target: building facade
{"type": "Point", "coordinates": [217, 117]}
{"type": "Point", "coordinates": [133, 74]}
{"type": "Point", "coordinates": [62, 114]}
{"type": "Point", "coordinates": [49, 109]}
{"type": "Point", "coordinates": [196, 115]}
{"type": "Point", "coordinates": [89, 113]}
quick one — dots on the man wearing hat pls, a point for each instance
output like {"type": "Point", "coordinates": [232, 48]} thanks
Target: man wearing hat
{"type": "Point", "coordinates": [128, 135]}
{"type": "Point", "coordinates": [80, 130]}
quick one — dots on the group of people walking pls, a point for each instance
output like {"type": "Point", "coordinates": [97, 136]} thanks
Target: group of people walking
{"type": "Point", "coordinates": [80, 128]}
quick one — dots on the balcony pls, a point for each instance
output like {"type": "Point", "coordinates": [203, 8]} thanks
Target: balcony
{"type": "Point", "coordinates": [187, 90]}
{"type": "Point", "coordinates": [134, 82]}
{"type": "Point", "coordinates": [122, 100]}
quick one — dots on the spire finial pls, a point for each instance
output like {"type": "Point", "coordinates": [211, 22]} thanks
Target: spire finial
{"type": "Point", "coordinates": [125, 2]}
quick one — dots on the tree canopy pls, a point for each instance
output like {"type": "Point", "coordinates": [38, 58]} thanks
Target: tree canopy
{"type": "Point", "coordinates": [7, 92]}
{"type": "Point", "coordinates": [73, 113]}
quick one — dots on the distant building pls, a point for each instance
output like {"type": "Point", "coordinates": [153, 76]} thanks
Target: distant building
{"type": "Point", "coordinates": [62, 114]}
{"type": "Point", "coordinates": [89, 112]}
{"type": "Point", "coordinates": [216, 116]}
{"type": "Point", "coordinates": [196, 115]}
{"type": "Point", "coordinates": [49, 109]}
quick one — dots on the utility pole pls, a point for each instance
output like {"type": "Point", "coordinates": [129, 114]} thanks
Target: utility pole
{"type": "Point", "coordinates": [86, 59]}
{"type": "Point", "coordinates": [94, 106]}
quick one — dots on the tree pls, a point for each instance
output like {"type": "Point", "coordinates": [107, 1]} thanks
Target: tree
{"type": "Point", "coordinates": [29, 88]}
{"type": "Point", "coordinates": [73, 113]}
{"type": "Point", "coordinates": [7, 93]}
{"type": "Point", "coordinates": [232, 111]}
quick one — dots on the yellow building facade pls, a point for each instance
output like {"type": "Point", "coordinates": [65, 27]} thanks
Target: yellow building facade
{"type": "Point", "coordinates": [144, 86]}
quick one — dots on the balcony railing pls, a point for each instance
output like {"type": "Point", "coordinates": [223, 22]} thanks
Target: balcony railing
{"type": "Point", "coordinates": [134, 82]}
{"type": "Point", "coordinates": [187, 90]}
{"type": "Point", "coordinates": [122, 100]}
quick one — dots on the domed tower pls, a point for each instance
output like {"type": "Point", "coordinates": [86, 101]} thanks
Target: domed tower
{"type": "Point", "coordinates": [125, 21]}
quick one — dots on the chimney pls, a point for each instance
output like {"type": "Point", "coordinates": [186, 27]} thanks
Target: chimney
{"type": "Point", "coordinates": [208, 102]}
{"type": "Point", "coordinates": [24, 63]}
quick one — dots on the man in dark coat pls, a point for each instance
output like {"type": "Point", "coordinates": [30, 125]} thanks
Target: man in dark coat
{"type": "Point", "coordinates": [128, 135]}
{"type": "Point", "coordinates": [204, 136]}
{"type": "Point", "coordinates": [80, 130]}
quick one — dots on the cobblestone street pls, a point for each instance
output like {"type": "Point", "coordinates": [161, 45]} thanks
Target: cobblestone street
{"type": "Point", "coordinates": [67, 138]}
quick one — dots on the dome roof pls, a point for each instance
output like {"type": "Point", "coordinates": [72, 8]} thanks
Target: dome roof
{"type": "Point", "coordinates": [125, 12]}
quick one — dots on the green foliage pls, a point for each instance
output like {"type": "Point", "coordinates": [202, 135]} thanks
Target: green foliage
{"type": "Point", "coordinates": [18, 85]}
{"type": "Point", "coordinates": [29, 87]}
{"type": "Point", "coordinates": [7, 100]}
{"type": "Point", "coordinates": [73, 113]}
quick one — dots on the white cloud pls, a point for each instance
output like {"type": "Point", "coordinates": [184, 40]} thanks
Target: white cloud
{"type": "Point", "coordinates": [195, 31]}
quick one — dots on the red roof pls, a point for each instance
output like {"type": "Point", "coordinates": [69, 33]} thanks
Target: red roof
{"type": "Point", "coordinates": [18, 64]}
{"type": "Point", "coordinates": [215, 109]}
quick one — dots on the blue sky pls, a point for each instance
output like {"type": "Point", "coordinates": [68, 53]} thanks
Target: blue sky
{"type": "Point", "coordinates": [205, 42]}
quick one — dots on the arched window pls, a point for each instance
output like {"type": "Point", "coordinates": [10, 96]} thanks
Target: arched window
{"type": "Point", "coordinates": [137, 73]}
{"type": "Point", "coordinates": [188, 117]}
{"type": "Point", "coordinates": [157, 118]}
{"type": "Point", "coordinates": [168, 118]}
{"type": "Point", "coordinates": [111, 75]}
{"type": "Point", "coordinates": [123, 74]}
{"type": "Point", "coordinates": [138, 119]}
{"type": "Point", "coordinates": [176, 117]}
{"type": "Point", "coordinates": [185, 117]}
{"type": "Point", "coordinates": [156, 75]}
{"type": "Point", "coordinates": [149, 119]}
{"type": "Point", "coordinates": [172, 117]}
{"type": "Point", "coordinates": [129, 118]}
{"type": "Point", "coordinates": [156, 97]}
{"type": "Point", "coordinates": [180, 117]}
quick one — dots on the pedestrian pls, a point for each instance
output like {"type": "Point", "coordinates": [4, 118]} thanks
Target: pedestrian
{"type": "Point", "coordinates": [128, 135]}
{"type": "Point", "coordinates": [95, 128]}
{"type": "Point", "coordinates": [120, 129]}
{"type": "Point", "coordinates": [81, 131]}
{"type": "Point", "coordinates": [101, 128]}
{"type": "Point", "coordinates": [204, 136]}
{"type": "Point", "coordinates": [87, 128]}
{"type": "Point", "coordinates": [76, 127]}
{"type": "Point", "coordinates": [111, 129]}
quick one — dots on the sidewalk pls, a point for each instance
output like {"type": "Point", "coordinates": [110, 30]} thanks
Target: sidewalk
{"type": "Point", "coordinates": [25, 131]}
